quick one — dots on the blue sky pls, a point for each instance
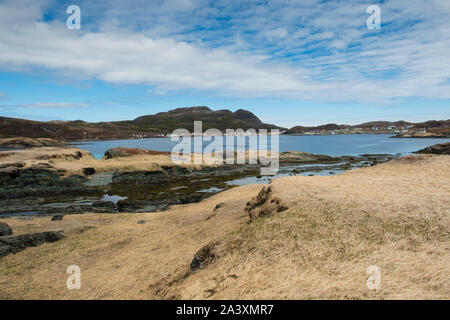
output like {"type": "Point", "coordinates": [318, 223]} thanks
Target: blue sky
{"type": "Point", "coordinates": [290, 62]}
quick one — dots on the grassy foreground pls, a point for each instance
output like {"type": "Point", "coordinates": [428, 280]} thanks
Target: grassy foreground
{"type": "Point", "coordinates": [309, 238]}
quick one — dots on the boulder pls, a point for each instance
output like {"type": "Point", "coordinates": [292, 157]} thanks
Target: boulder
{"type": "Point", "coordinates": [5, 229]}
{"type": "Point", "coordinates": [15, 244]}
{"type": "Point", "coordinates": [207, 254]}
{"type": "Point", "coordinates": [88, 171]}
{"type": "Point", "coordinates": [57, 217]}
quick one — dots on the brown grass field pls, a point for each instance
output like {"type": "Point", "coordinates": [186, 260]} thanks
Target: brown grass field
{"type": "Point", "coordinates": [393, 215]}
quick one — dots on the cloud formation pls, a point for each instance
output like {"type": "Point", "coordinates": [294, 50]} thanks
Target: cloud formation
{"type": "Point", "coordinates": [310, 49]}
{"type": "Point", "coordinates": [53, 105]}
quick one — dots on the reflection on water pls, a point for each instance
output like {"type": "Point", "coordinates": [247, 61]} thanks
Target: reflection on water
{"type": "Point", "coordinates": [291, 171]}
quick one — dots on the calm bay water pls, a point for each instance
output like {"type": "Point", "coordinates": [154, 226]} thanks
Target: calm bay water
{"type": "Point", "coordinates": [333, 145]}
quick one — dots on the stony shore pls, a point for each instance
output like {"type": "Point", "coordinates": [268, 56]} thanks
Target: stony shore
{"type": "Point", "coordinates": [66, 180]}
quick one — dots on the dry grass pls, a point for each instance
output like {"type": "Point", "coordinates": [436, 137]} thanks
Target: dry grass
{"type": "Point", "coordinates": [68, 161]}
{"type": "Point", "coordinates": [394, 215]}
{"type": "Point", "coordinates": [119, 258]}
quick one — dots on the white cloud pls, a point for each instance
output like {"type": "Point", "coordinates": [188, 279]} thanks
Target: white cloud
{"type": "Point", "coordinates": [54, 105]}
{"type": "Point", "coordinates": [276, 33]}
{"type": "Point", "coordinates": [290, 49]}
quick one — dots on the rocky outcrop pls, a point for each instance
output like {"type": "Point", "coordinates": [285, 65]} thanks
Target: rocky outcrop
{"type": "Point", "coordinates": [5, 229]}
{"type": "Point", "coordinates": [442, 148]}
{"type": "Point", "coordinates": [298, 157]}
{"type": "Point", "coordinates": [40, 184]}
{"type": "Point", "coordinates": [128, 152]}
{"type": "Point", "coordinates": [265, 203]}
{"type": "Point", "coordinates": [15, 244]}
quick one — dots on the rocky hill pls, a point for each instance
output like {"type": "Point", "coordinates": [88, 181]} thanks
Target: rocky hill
{"type": "Point", "coordinates": [184, 118]}
{"type": "Point", "coordinates": [146, 126]}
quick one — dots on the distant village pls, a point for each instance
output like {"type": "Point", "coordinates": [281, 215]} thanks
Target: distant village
{"type": "Point", "coordinates": [409, 129]}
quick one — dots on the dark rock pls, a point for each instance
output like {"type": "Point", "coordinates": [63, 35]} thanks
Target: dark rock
{"type": "Point", "coordinates": [57, 217]}
{"type": "Point", "coordinates": [191, 198]}
{"type": "Point", "coordinates": [204, 256]}
{"type": "Point", "coordinates": [195, 264]}
{"type": "Point", "coordinates": [15, 165]}
{"type": "Point", "coordinates": [88, 171]}
{"type": "Point", "coordinates": [104, 207]}
{"type": "Point", "coordinates": [264, 204]}
{"type": "Point", "coordinates": [53, 236]}
{"type": "Point", "coordinates": [136, 206]}
{"type": "Point", "coordinates": [15, 244]}
{"type": "Point", "coordinates": [76, 209]}
{"type": "Point", "coordinates": [5, 229]}
{"type": "Point", "coordinates": [219, 205]}
{"type": "Point", "coordinates": [128, 152]}
{"type": "Point", "coordinates": [141, 222]}
{"type": "Point", "coordinates": [442, 148]}
{"type": "Point", "coordinates": [128, 205]}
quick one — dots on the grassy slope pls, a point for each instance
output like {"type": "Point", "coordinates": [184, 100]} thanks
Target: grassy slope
{"type": "Point", "coordinates": [394, 215]}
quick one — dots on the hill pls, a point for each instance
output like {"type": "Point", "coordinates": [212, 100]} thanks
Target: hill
{"type": "Point", "coordinates": [185, 117]}
{"type": "Point", "coordinates": [146, 126]}
{"type": "Point", "coordinates": [432, 128]}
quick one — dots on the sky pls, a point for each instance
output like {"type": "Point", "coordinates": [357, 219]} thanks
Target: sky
{"type": "Point", "coordinates": [291, 62]}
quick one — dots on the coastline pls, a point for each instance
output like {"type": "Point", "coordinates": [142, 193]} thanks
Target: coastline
{"type": "Point", "coordinates": [67, 180]}
{"type": "Point", "coordinates": [321, 233]}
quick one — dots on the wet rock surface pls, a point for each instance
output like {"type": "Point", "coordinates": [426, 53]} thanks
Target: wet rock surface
{"type": "Point", "coordinates": [40, 188]}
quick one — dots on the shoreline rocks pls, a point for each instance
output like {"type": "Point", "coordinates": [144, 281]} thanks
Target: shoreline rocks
{"type": "Point", "coordinates": [442, 148]}
{"type": "Point", "coordinates": [128, 152]}
{"type": "Point", "coordinates": [45, 188]}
